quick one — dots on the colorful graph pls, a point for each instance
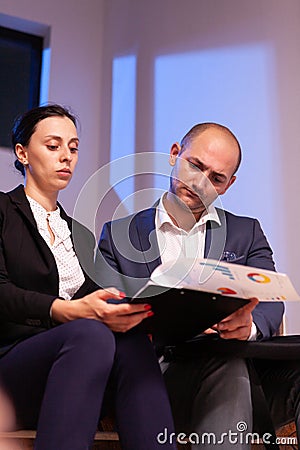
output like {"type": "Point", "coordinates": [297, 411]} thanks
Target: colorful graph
{"type": "Point", "coordinates": [258, 277]}
{"type": "Point", "coordinates": [226, 291]}
{"type": "Point", "coordinates": [223, 269]}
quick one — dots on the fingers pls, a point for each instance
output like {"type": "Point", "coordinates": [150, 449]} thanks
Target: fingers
{"type": "Point", "coordinates": [238, 325]}
{"type": "Point", "coordinates": [244, 319]}
{"type": "Point", "coordinates": [122, 308]}
{"type": "Point", "coordinates": [244, 311]}
{"type": "Point", "coordinates": [125, 309]}
{"type": "Point", "coordinates": [114, 315]}
{"type": "Point", "coordinates": [111, 292]}
{"type": "Point", "coordinates": [119, 317]}
{"type": "Point", "coordinates": [125, 323]}
{"type": "Point", "coordinates": [251, 305]}
{"type": "Point", "coordinates": [210, 331]}
{"type": "Point", "coordinates": [241, 333]}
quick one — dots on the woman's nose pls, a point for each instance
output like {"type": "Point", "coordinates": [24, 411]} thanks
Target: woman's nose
{"type": "Point", "coordinates": [66, 154]}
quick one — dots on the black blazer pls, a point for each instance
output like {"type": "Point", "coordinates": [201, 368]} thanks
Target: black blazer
{"type": "Point", "coordinates": [29, 281]}
{"type": "Point", "coordinates": [129, 253]}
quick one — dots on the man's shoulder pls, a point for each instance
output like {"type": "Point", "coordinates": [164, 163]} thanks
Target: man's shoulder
{"type": "Point", "coordinates": [147, 213]}
{"type": "Point", "coordinates": [235, 218]}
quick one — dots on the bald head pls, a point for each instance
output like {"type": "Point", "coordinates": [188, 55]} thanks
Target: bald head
{"type": "Point", "coordinates": [200, 128]}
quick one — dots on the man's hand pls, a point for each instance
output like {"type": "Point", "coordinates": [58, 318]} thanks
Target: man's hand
{"type": "Point", "coordinates": [237, 325]}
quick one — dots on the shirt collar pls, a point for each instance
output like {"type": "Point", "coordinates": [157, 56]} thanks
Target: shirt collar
{"type": "Point", "coordinates": [163, 217]}
{"type": "Point", "coordinates": [58, 225]}
{"type": "Point", "coordinates": [38, 209]}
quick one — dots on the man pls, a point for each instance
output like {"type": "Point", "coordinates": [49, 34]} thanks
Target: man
{"type": "Point", "coordinates": [210, 393]}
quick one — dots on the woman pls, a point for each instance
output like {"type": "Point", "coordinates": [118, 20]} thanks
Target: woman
{"type": "Point", "coordinates": [57, 356]}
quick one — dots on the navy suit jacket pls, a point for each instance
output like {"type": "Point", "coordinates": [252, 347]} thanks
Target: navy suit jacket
{"type": "Point", "coordinates": [128, 254]}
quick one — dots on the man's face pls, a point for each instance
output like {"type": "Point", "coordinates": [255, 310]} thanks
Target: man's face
{"type": "Point", "coordinates": [203, 169]}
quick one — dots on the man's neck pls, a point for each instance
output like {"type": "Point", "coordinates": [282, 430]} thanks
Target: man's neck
{"type": "Point", "coordinates": [180, 214]}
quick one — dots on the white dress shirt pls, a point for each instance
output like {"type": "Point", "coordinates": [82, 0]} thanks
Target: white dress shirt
{"type": "Point", "coordinates": [71, 276]}
{"type": "Point", "coordinates": [175, 243]}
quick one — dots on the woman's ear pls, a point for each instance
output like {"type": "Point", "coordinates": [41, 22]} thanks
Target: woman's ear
{"type": "Point", "coordinates": [21, 154]}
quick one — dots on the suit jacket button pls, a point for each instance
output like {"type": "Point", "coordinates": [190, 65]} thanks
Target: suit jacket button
{"type": "Point", "coordinates": [33, 322]}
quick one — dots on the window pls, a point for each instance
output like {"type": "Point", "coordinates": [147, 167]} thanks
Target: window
{"type": "Point", "coordinates": [20, 74]}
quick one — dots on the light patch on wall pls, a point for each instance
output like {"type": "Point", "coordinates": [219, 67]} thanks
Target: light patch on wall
{"type": "Point", "coordinates": [45, 76]}
{"type": "Point", "coordinates": [123, 125]}
{"type": "Point", "coordinates": [234, 86]}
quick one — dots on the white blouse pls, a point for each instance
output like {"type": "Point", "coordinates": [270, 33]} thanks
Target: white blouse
{"type": "Point", "coordinates": [71, 276]}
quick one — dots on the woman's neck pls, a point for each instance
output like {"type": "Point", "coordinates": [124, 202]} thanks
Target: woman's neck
{"type": "Point", "coordinates": [47, 200]}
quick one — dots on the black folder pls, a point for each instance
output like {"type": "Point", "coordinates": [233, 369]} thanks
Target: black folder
{"type": "Point", "coordinates": [181, 313]}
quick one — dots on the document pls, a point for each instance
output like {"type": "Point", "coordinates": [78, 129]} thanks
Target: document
{"type": "Point", "coordinates": [224, 278]}
{"type": "Point", "coordinates": [189, 296]}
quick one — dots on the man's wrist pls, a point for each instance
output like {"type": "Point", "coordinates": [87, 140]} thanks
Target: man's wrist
{"type": "Point", "coordinates": [254, 333]}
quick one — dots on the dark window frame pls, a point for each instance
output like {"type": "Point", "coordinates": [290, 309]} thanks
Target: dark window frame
{"type": "Point", "coordinates": [10, 107]}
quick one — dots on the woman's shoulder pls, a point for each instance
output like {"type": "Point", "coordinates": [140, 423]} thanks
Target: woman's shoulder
{"type": "Point", "coordinates": [4, 204]}
{"type": "Point", "coordinates": [7, 198]}
{"type": "Point", "coordinates": [4, 197]}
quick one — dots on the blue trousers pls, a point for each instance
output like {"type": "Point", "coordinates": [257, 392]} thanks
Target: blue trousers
{"type": "Point", "coordinates": [57, 380]}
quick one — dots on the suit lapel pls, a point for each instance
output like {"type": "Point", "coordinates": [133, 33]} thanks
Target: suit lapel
{"type": "Point", "coordinates": [215, 238]}
{"type": "Point", "coordinates": [146, 237]}
{"type": "Point", "coordinates": [18, 197]}
{"type": "Point", "coordinates": [144, 227]}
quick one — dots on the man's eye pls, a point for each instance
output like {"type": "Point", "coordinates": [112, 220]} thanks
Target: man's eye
{"type": "Point", "coordinates": [217, 180]}
{"type": "Point", "coordinates": [193, 166]}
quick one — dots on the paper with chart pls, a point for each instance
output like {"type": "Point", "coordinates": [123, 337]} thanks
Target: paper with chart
{"type": "Point", "coordinates": [225, 278]}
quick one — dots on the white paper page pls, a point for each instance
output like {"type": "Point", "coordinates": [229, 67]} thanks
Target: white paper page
{"type": "Point", "coordinates": [226, 278]}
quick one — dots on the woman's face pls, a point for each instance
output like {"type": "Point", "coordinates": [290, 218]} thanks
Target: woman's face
{"type": "Point", "coordinates": [51, 155]}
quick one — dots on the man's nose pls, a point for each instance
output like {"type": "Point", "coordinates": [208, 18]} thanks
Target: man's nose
{"type": "Point", "coordinates": [201, 180]}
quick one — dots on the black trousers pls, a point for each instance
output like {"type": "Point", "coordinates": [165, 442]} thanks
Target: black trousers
{"type": "Point", "coordinates": [280, 380]}
{"type": "Point", "coordinates": [276, 364]}
{"type": "Point", "coordinates": [57, 382]}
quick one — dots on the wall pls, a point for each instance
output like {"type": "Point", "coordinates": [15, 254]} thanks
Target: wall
{"type": "Point", "coordinates": [234, 62]}
{"type": "Point", "coordinates": [76, 42]}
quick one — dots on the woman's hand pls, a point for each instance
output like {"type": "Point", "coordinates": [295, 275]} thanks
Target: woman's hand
{"type": "Point", "coordinates": [118, 317]}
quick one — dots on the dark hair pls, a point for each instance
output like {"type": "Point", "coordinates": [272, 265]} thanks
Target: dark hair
{"type": "Point", "coordinates": [200, 128]}
{"type": "Point", "coordinates": [25, 125]}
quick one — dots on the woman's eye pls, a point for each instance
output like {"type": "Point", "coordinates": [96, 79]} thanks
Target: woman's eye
{"type": "Point", "coordinates": [52, 147]}
{"type": "Point", "coordinates": [73, 149]}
